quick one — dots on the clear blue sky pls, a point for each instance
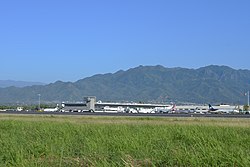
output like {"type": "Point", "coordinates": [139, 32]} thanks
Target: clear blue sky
{"type": "Point", "coordinates": [50, 40]}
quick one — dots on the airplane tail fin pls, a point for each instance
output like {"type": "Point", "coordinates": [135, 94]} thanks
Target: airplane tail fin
{"type": "Point", "coordinates": [210, 106]}
{"type": "Point", "coordinates": [174, 107]}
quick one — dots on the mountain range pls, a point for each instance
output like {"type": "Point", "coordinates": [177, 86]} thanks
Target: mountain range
{"type": "Point", "coordinates": [210, 84]}
{"type": "Point", "coordinates": [19, 84]}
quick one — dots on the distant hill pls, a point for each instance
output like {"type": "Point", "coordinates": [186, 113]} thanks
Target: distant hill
{"type": "Point", "coordinates": [19, 84]}
{"type": "Point", "coordinates": [211, 84]}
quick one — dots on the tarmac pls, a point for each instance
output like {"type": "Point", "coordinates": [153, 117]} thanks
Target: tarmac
{"type": "Point", "coordinates": [127, 114]}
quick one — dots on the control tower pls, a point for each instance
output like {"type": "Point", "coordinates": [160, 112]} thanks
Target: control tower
{"type": "Point", "coordinates": [90, 103]}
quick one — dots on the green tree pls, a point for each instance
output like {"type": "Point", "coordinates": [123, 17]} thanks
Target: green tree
{"type": "Point", "coordinates": [246, 108]}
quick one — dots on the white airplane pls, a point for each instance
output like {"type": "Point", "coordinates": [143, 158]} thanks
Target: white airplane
{"type": "Point", "coordinates": [51, 109]}
{"type": "Point", "coordinates": [223, 109]}
{"type": "Point", "coordinates": [168, 109]}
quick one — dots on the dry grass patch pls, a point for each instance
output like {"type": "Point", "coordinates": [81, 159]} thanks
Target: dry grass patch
{"type": "Point", "coordinates": [233, 122]}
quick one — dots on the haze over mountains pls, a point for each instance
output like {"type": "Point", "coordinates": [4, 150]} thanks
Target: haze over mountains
{"type": "Point", "coordinates": [211, 84]}
{"type": "Point", "coordinates": [19, 84]}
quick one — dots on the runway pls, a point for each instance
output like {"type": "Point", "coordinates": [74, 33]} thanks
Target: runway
{"type": "Point", "coordinates": [127, 114]}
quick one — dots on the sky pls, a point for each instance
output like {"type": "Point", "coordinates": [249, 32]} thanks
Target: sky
{"type": "Point", "coordinates": [50, 40]}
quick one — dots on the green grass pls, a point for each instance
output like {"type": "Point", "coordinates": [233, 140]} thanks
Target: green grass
{"type": "Point", "coordinates": [115, 141]}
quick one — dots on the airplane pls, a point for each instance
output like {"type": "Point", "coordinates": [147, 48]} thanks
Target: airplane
{"type": "Point", "coordinates": [169, 109]}
{"type": "Point", "coordinates": [223, 109]}
{"type": "Point", "coordinates": [51, 109]}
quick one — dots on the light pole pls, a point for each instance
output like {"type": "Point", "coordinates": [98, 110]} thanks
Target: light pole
{"type": "Point", "coordinates": [39, 99]}
{"type": "Point", "coordinates": [248, 98]}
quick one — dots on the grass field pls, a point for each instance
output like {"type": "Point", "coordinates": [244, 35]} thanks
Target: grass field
{"type": "Point", "coordinates": [123, 141]}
